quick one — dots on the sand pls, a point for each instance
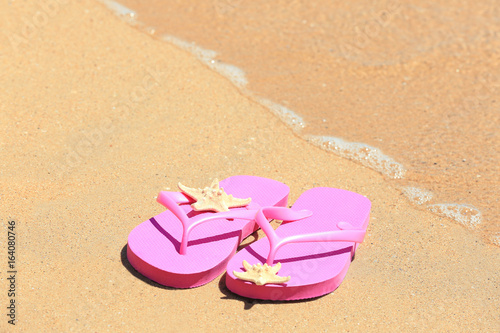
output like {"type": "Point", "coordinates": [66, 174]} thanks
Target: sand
{"type": "Point", "coordinates": [97, 118]}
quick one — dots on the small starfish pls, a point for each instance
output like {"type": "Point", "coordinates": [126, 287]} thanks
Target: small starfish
{"type": "Point", "coordinates": [261, 274]}
{"type": "Point", "coordinates": [213, 198]}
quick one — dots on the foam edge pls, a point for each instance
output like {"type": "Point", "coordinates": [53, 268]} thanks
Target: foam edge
{"type": "Point", "coordinates": [364, 154]}
{"type": "Point", "coordinates": [467, 215]}
{"type": "Point", "coordinates": [120, 10]}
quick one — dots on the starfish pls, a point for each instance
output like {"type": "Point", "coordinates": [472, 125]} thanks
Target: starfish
{"type": "Point", "coordinates": [261, 274]}
{"type": "Point", "coordinates": [213, 198]}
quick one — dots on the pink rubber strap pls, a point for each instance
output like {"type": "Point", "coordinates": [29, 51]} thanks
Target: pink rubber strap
{"type": "Point", "coordinates": [177, 197]}
{"type": "Point", "coordinates": [346, 234]}
{"type": "Point", "coordinates": [171, 200]}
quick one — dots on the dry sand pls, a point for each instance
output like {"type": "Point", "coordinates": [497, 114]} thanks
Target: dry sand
{"type": "Point", "coordinates": [97, 118]}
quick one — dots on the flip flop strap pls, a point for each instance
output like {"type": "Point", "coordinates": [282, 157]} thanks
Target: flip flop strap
{"type": "Point", "coordinates": [171, 200]}
{"type": "Point", "coordinates": [346, 234]}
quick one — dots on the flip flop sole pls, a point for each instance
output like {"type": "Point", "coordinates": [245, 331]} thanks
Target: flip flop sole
{"type": "Point", "coordinates": [315, 268]}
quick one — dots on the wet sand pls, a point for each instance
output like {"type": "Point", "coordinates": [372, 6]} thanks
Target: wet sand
{"type": "Point", "coordinates": [418, 80]}
{"type": "Point", "coordinates": [98, 118]}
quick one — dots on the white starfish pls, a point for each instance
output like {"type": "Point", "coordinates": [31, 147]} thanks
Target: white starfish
{"type": "Point", "coordinates": [261, 274]}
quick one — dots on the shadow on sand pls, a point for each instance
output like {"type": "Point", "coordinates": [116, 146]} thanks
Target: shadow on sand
{"type": "Point", "coordinates": [138, 275]}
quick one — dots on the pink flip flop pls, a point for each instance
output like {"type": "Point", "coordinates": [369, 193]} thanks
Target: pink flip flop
{"type": "Point", "coordinates": [184, 248]}
{"type": "Point", "coordinates": [306, 258]}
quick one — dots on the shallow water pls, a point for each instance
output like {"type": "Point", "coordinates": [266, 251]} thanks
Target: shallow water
{"type": "Point", "coordinates": [407, 88]}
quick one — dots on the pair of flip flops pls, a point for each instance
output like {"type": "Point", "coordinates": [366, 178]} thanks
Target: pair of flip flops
{"type": "Point", "coordinates": [195, 240]}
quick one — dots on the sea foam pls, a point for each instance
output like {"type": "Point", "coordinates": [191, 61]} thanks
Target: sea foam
{"type": "Point", "coordinates": [417, 195]}
{"type": "Point", "coordinates": [232, 73]}
{"type": "Point", "coordinates": [292, 119]}
{"type": "Point", "coordinates": [466, 215]}
{"type": "Point", "coordinates": [362, 153]}
{"type": "Point", "coordinates": [120, 9]}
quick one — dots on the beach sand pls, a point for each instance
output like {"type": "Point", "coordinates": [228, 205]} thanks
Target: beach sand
{"type": "Point", "coordinates": [97, 118]}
